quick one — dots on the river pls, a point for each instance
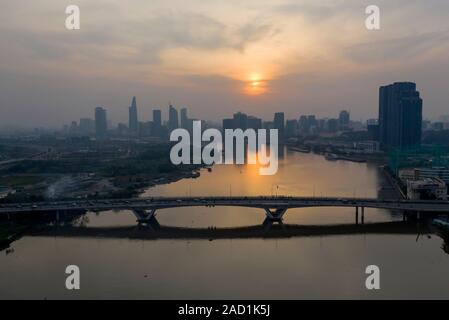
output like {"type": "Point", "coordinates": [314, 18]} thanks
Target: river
{"type": "Point", "coordinates": [303, 266]}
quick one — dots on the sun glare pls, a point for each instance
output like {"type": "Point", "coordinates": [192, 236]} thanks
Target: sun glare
{"type": "Point", "coordinates": [255, 85]}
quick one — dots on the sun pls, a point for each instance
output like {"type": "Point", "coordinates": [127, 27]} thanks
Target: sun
{"type": "Point", "coordinates": [255, 85]}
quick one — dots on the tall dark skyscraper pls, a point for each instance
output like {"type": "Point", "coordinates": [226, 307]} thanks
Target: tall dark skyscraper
{"type": "Point", "coordinates": [240, 121]}
{"type": "Point", "coordinates": [173, 122]}
{"type": "Point", "coordinates": [344, 119]}
{"type": "Point", "coordinates": [101, 123]}
{"type": "Point", "coordinates": [184, 119]}
{"type": "Point", "coordinates": [156, 129]}
{"type": "Point", "coordinates": [133, 119]}
{"type": "Point", "coordinates": [157, 118]}
{"type": "Point", "coordinates": [254, 123]}
{"type": "Point", "coordinates": [400, 115]}
{"type": "Point", "coordinates": [279, 124]}
{"type": "Point", "coordinates": [228, 124]}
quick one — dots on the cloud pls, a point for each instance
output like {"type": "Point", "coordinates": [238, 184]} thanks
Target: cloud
{"type": "Point", "coordinates": [397, 49]}
{"type": "Point", "coordinates": [140, 41]}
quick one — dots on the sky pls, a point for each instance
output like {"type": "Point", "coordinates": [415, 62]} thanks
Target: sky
{"type": "Point", "coordinates": [217, 57]}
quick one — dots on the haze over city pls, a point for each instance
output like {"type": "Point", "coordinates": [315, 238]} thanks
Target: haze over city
{"type": "Point", "coordinates": [217, 58]}
{"type": "Point", "coordinates": [238, 155]}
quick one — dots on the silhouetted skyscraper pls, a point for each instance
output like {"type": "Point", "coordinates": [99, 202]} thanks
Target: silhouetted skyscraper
{"type": "Point", "coordinates": [157, 123]}
{"type": "Point", "coordinates": [184, 119]}
{"type": "Point", "coordinates": [279, 124]}
{"type": "Point", "coordinates": [173, 122]}
{"type": "Point", "coordinates": [344, 119]}
{"type": "Point", "coordinates": [291, 128]}
{"type": "Point", "coordinates": [133, 119]}
{"type": "Point", "coordinates": [303, 124]}
{"type": "Point", "coordinates": [101, 123]}
{"type": "Point", "coordinates": [228, 124]}
{"type": "Point", "coordinates": [240, 121]}
{"type": "Point", "coordinates": [400, 115]}
{"type": "Point", "coordinates": [254, 123]}
{"type": "Point", "coordinates": [157, 117]}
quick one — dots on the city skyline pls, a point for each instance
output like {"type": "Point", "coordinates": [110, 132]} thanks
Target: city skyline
{"type": "Point", "coordinates": [179, 118]}
{"type": "Point", "coordinates": [183, 150]}
{"type": "Point", "coordinates": [218, 58]}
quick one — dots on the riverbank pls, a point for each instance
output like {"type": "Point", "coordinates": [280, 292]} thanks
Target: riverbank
{"type": "Point", "coordinates": [9, 233]}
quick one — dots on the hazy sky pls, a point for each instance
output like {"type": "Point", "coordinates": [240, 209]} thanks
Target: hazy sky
{"type": "Point", "coordinates": [217, 57]}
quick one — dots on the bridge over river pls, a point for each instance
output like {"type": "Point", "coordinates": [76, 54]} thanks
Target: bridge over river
{"type": "Point", "coordinates": [274, 206]}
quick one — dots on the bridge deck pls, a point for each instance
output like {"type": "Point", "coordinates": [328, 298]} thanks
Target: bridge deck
{"type": "Point", "coordinates": [265, 202]}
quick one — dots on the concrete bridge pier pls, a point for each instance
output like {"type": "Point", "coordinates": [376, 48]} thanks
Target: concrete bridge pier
{"type": "Point", "coordinates": [275, 214]}
{"type": "Point", "coordinates": [144, 216]}
{"type": "Point", "coordinates": [363, 215]}
{"type": "Point", "coordinates": [356, 215]}
{"type": "Point", "coordinates": [268, 224]}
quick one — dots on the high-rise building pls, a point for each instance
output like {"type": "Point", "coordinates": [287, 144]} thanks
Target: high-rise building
{"type": "Point", "coordinates": [184, 119]}
{"type": "Point", "coordinates": [228, 124]}
{"type": "Point", "coordinates": [332, 125]}
{"type": "Point", "coordinates": [291, 128]}
{"type": "Point", "coordinates": [400, 115]}
{"type": "Point", "coordinates": [279, 124]}
{"type": "Point", "coordinates": [101, 123]}
{"type": "Point", "coordinates": [156, 127]}
{"type": "Point", "coordinates": [173, 122]}
{"type": "Point", "coordinates": [133, 119]}
{"type": "Point", "coordinates": [240, 121]}
{"type": "Point", "coordinates": [74, 128]}
{"type": "Point", "coordinates": [87, 126]}
{"type": "Point", "coordinates": [372, 126]}
{"type": "Point", "coordinates": [311, 121]}
{"type": "Point", "coordinates": [303, 124]}
{"type": "Point", "coordinates": [344, 119]}
{"type": "Point", "coordinates": [122, 129]}
{"type": "Point", "coordinates": [157, 117]}
{"type": "Point", "coordinates": [254, 123]}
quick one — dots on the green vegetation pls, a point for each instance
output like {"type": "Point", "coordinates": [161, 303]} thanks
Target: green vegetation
{"type": "Point", "coordinates": [4, 234]}
{"type": "Point", "coordinates": [8, 230]}
{"type": "Point", "coordinates": [19, 180]}
{"type": "Point", "coordinates": [110, 169]}
{"type": "Point", "coordinates": [8, 151]}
